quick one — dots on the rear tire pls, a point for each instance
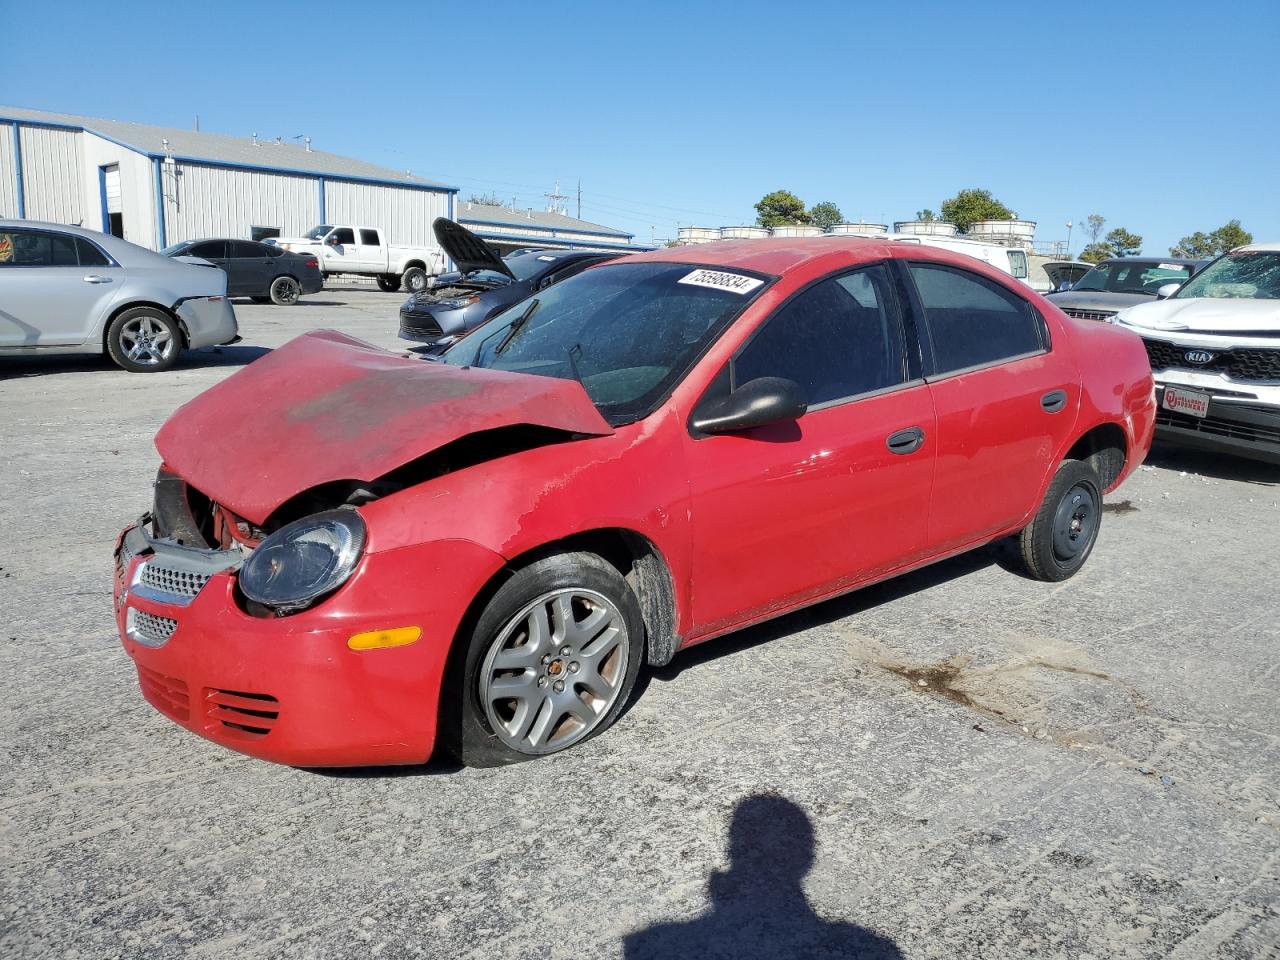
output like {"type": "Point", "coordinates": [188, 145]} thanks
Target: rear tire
{"type": "Point", "coordinates": [415, 279]}
{"type": "Point", "coordinates": [144, 340]}
{"type": "Point", "coordinates": [285, 291]}
{"type": "Point", "coordinates": [1059, 540]}
{"type": "Point", "coordinates": [519, 690]}
{"type": "Point", "coordinates": [388, 282]}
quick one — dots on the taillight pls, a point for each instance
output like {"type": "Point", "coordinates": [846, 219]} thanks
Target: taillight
{"type": "Point", "coordinates": [313, 263]}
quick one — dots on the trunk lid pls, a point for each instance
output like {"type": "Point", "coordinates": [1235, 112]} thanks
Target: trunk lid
{"type": "Point", "coordinates": [327, 407]}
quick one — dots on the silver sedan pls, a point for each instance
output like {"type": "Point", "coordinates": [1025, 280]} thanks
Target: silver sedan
{"type": "Point", "coordinates": [70, 290]}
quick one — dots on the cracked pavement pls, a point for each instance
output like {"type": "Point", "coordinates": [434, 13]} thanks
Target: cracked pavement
{"type": "Point", "coordinates": [960, 762]}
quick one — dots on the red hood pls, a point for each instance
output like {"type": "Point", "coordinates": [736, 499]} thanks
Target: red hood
{"type": "Point", "coordinates": [328, 407]}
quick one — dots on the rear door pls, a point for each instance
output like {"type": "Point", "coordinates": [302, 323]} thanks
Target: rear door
{"type": "Point", "coordinates": [1005, 401]}
{"type": "Point", "coordinates": [370, 251]}
{"type": "Point", "coordinates": [54, 287]}
{"type": "Point", "coordinates": [247, 265]}
{"type": "Point", "coordinates": [788, 512]}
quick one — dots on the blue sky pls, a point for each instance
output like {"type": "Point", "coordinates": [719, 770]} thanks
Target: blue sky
{"type": "Point", "coordinates": [1163, 117]}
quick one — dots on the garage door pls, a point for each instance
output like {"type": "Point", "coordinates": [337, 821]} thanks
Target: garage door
{"type": "Point", "coordinates": [111, 186]}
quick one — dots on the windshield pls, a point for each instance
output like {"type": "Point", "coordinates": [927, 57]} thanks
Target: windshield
{"type": "Point", "coordinates": [173, 248]}
{"type": "Point", "coordinates": [1127, 276]}
{"type": "Point", "coordinates": [317, 233]}
{"type": "Point", "coordinates": [627, 332]}
{"type": "Point", "coordinates": [1247, 274]}
{"type": "Point", "coordinates": [524, 265]}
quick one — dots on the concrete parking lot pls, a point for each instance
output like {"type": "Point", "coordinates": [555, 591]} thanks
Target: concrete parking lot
{"type": "Point", "coordinates": [959, 763]}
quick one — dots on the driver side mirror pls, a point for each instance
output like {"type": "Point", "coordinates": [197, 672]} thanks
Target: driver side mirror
{"type": "Point", "coordinates": [1165, 291]}
{"type": "Point", "coordinates": [756, 403]}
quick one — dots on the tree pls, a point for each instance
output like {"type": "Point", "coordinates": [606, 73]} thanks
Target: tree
{"type": "Point", "coordinates": [825, 214]}
{"type": "Point", "coordinates": [972, 204]}
{"type": "Point", "coordinates": [926, 215]}
{"type": "Point", "coordinates": [1123, 243]}
{"type": "Point", "coordinates": [1096, 253]}
{"type": "Point", "coordinates": [780, 208]}
{"type": "Point", "coordinates": [490, 198]}
{"type": "Point", "coordinates": [1093, 225]}
{"type": "Point", "coordinates": [1200, 245]}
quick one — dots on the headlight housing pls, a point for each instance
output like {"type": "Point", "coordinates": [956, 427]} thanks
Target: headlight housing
{"type": "Point", "coordinates": [304, 560]}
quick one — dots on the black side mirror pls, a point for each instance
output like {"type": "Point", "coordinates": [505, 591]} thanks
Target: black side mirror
{"type": "Point", "coordinates": [754, 404]}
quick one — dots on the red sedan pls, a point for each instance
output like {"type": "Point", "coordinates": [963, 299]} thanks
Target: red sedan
{"type": "Point", "coordinates": [357, 557]}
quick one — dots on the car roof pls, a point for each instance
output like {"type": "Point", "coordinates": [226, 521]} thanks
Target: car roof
{"type": "Point", "coordinates": [780, 255]}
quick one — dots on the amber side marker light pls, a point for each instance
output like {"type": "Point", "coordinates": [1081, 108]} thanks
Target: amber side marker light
{"type": "Point", "coordinates": [377, 639]}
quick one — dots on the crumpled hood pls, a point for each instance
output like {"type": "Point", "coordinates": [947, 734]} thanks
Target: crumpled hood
{"type": "Point", "coordinates": [328, 407]}
{"type": "Point", "coordinates": [1206, 315]}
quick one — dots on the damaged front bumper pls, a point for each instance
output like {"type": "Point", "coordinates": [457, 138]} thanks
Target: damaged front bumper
{"type": "Point", "coordinates": [290, 689]}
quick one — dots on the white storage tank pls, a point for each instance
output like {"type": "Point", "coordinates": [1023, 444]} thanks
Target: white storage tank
{"type": "Point", "coordinates": [743, 233]}
{"type": "Point", "coordinates": [1020, 230]}
{"type": "Point", "coordinates": [697, 234]}
{"type": "Point", "coordinates": [796, 230]}
{"type": "Point", "coordinates": [926, 228]}
{"type": "Point", "coordinates": [858, 229]}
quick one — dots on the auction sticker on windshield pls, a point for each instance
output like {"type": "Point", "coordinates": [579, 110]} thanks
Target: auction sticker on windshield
{"type": "Point", "coordinates": [1186, 401]}
{"type": "Point", "coordinates": [720, 280]}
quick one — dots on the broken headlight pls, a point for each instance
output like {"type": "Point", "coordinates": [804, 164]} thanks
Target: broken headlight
{"type": "Point", "coordinates": [304, 560]}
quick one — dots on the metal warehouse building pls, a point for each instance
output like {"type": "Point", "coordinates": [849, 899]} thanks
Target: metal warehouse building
{"type": "Point", "coordinates": [155, 186]}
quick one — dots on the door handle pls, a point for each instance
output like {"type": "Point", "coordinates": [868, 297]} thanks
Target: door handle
{"type": "Point", "coordinates": [95, 278]}
{"type": "Point", "coordinates": [1053, 401]}
{"type": "Point", "coordinates": [905, 441]}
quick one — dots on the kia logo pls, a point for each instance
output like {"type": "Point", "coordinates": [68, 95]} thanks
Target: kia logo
{"type": "Point", "coordinates": [1199, 356]}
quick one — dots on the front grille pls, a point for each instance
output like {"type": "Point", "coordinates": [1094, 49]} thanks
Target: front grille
{"type": "Point", "coordinates": [248, 715]}
{"type": "Point", "coordinates": [1088, 314]}
{"type": "Point", "coordinates": [166, 694]}
{"type": "Point", "coordinates": [148, 629]}
{"type": "Point", "coordinates": [1217, 427]}
{"type": "Point", "coordinates": [123, 558]}
{"type": "Point", "coordinates": [174, 581]}
{"type": "Point", "coordinates": [420, 324]}
{"type": "Point", "coordinates": [1248, 363]}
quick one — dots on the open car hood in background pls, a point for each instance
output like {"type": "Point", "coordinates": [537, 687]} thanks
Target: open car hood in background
{"type": "Point", "coordinates": [327, 407]}
{"type": "Point", "coordinates": [1066, 271]}
{"type": "Point", "coordinates": [467, 250]}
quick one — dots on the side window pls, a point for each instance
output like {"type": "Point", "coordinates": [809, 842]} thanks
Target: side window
{"type": "Point", "coordinates": [369, 238]}
{"type": "Point", "coordinates": [973, 321]}
{"type": "Point", "coordinates": [244, 250]}
{"type": "Point", "coordinates": [90, 256]}
{"type": "Point", "coordinates": [838, 339]}
{"type": "Point", "coordinates": [344, 236]}
{"type": "Point", "coordinates": [1018, 264]}
{"type": "Point", "coordinates": [35, 248]}
{"type": "Point", "coordinates": [211, 250]}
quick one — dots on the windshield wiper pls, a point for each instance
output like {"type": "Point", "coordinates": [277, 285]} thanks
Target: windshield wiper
{"type": "Point", "coordinates": [573, 364]}
{"type": "Point", "coordinates": [516, 324]}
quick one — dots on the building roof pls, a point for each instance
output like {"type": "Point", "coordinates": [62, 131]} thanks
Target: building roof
{"type": "Point", "coordinates": [222, 148]}
{"type": "Point", "coordinates": [496, 216]}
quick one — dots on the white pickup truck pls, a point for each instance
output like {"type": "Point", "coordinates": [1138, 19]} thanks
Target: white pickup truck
{"type": "Point", "coordinates": [364, 250]}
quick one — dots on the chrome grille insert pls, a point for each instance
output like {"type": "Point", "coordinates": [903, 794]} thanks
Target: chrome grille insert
{"type": "Point", "coordinates": [1088, 314]}
{"type": "Point", "coordinates": [168, 579]}
{"type": "Point", "coordinates": [149, 629]}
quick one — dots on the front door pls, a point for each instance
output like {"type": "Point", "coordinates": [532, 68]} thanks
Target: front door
{"type": "Point", "coordinates": [788, 512]}
{"type": "Point", "coordinates": [338, 250]}
{"type": "Point", "coordinates": [55, 287]}
{"type": "Point", "coordinates": [1005, 402]}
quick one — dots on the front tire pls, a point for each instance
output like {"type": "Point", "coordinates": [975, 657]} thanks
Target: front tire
{"type": "Point", "coordinates": [144, 340]}
{"type": "Point", "coordinates": [415, 279]}
{"type": "Point", "coordinates": [285, 291]}
{"type": "Point", "coordinates": [388, 282]}
{"type": "Point", "coordinates": [1059, 540]}
{"type": "Point", "coordinates": [551, 662]}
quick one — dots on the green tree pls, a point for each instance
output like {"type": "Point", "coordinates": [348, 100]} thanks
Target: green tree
{"type": "Point", "coordinates": [1096, 252]}
{"type": "Point", "coordinates": [490, 198]}
{"type": "Point", "coordinates": [926, 215]}
{"type": "Point", "coordinates": [780, 208]}
{"type": "Point", "coordinates": [825, 214]}
{"type": "Point", "coordinates": [1199, 245]}
{"type": "Point", "coordinates": [1093, 225]}
{"type": "Point", "coordinates": [971, 205]}
{"type": "Point", "coordinates": [1123, 243]}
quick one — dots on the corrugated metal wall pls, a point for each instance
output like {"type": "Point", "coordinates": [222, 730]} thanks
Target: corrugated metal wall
{"type": "Point", "coordinates": [8, 174]}
{"type": "Point", "coordinates": [203, 201]}
{"type": "Point", "coordinates": [52, 175]}
{"type": "Point", "coordinates": [405, 214]}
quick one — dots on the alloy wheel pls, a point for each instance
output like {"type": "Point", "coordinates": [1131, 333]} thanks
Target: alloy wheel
{"type": "Point", "coordinates": [146, 341]}
{"type": "Point", "coordinates": [285, 290]}
{"type": "Point", "coordinates": [554, 670]}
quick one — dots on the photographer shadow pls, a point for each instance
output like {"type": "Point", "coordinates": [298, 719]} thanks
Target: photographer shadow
{"type": "Point", "coordinates": [758, 908]}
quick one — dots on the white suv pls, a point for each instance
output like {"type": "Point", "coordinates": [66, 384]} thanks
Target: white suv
{"type": "Point", "coordinates": [1214, 346]}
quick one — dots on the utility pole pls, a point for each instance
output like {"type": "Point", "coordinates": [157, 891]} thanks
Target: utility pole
{"type": "Point", "coordinates": [579, 198]}
{"type": "Point", "coordinates": [555, 206]}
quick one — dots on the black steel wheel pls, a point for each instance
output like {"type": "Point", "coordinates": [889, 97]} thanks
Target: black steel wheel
{"type": "Point", "coordinates": [1060, 538]}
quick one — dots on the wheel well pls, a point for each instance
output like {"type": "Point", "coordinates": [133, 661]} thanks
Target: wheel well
{"type": "Point", "coordinates": [182, 327]}
{"type": "Point", "coordinates": [639, 562]}
{"type": "Point", "coordinates": [415, 263]}
{"type": "Point", "coordinates": [1105, 449]}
